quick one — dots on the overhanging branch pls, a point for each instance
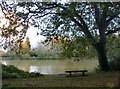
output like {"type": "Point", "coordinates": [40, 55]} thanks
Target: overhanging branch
{"type": "Point", "coordinates": [112, 17]}
{"type": "Point", "coordinates": [113, 31]}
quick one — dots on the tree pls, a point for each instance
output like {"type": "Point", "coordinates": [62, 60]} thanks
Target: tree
{"type": "Point", "coordinates": [12, 28]}
{"type": "Point", "coordinates": [25, 47]}
{"type": "Point", "coordinates": [93, 20]}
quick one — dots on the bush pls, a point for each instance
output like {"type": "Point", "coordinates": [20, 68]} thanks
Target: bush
{"type": "Point", "coordinates": [115, 63]}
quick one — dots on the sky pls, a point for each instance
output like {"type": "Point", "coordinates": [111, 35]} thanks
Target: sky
{"type": "Point", "coordinates": [33, 37]}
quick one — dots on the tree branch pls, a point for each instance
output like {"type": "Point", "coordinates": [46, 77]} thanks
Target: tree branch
{"type": "Point", "coordinates": [57, 5]}
{"type": "Point", "coordinates": [83, 25]}
{"type": "Point", "coordinates": [113, 31]}
{"type": "Point", "coordinates": [96, 14]}
{"type": "Point", "coordinates": [75, 21]}
{"type": "Point", "coordinates": [112, 17]}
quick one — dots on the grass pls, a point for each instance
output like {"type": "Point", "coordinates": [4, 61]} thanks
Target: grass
{"type": "Point", "coordinates": [11, 71]}
{"type": "Point", "coordinates": [102, 79]}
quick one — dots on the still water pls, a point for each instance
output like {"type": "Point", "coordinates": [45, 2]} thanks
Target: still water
{"type": "Point", "coordinates": [52, 66]}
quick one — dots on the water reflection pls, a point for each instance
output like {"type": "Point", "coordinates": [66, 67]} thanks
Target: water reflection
{"type": "Point", "coordinates": [52, 66]}
{"type": "Point", "coordinates": [33, 69]}
{"type": "Point", "coordinates": [4, 62]}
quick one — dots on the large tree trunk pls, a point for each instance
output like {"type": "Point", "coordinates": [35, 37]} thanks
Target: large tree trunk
{"type": "Point", "coordinates": [102, 56]}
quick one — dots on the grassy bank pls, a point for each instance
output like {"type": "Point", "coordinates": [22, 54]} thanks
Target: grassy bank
{"type": "Point", "coordinates": [102, 79]}
{"type": "Point", "coordinates": [13, 77]}
{"type": "Point", "coordinates": [11, 71]}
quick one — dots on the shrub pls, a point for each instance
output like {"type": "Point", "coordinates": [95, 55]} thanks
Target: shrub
{"type": "Point", "coordinates": [115, 63]}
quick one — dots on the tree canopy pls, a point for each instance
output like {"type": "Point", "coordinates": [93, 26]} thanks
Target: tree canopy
{"type": "Point", "coordinates": [12, 29]}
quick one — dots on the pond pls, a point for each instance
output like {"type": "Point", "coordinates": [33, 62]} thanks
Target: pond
{"type": "Point", "coordinates": [52, 66]}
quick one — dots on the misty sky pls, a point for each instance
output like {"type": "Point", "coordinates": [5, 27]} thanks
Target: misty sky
{"type": "Point", "coordinates": [34, 38]}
